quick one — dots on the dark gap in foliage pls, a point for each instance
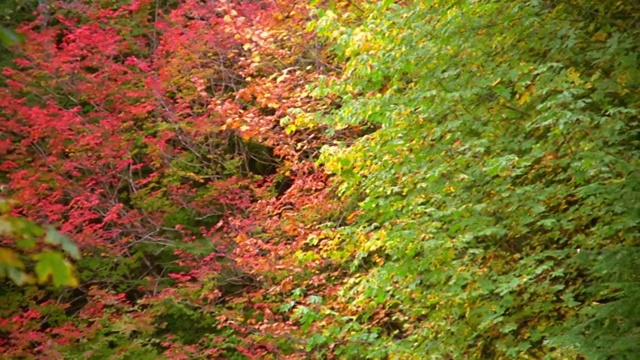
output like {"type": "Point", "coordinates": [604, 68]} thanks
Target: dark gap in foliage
{"type": "Point", "coordinates": [256, 158]}
{"type": "Point", "coordinates": [233, 281]}
{"type": "Point", "coordinates": [283, 184]}
{"type": "Point", "coordinates": [77, 299]}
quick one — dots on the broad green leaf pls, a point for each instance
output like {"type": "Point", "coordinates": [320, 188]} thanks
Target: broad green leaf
{"type": "Point", "coordinates": [55, 238]}
{"type": "Point", "coordinates": [52, 266]}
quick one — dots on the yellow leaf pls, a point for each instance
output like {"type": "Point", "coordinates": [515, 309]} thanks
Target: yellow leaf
{"type": "Point", "coordinates": [574, 76]}
{"type": "Point", "coordinates": [526, 95]}
{"type": "Point", "coordinates": [9, 258]}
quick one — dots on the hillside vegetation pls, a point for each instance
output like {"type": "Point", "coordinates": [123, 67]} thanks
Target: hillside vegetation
{"type": "Point", "coordinates": [341, 179]}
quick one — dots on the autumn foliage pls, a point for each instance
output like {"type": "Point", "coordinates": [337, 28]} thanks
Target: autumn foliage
{"type": "Point", "coordinates": [280, 179]}
{"type": "Point", "coordinates": [164, 140]}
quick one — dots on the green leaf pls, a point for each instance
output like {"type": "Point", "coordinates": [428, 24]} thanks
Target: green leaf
{"type": "Point", "coordinates": [508, 327]}
{"type": "Point", "coordinates": [8, 36]}
{"type": "Point", "coordinates": [51, 265]}
{"type": "Point", "coordinates": [55, 238]}
{"type": "Point", "coordinates": [18, 277]}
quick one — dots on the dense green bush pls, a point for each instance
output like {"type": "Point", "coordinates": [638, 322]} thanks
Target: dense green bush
{"type": "Point", "coordinates": [499, 199]}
